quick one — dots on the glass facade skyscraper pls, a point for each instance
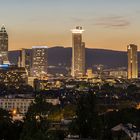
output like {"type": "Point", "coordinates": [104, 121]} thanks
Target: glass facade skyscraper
{"type": "Point", "coordinates": [39, 60]}
{"type": "Point", "coordinates": [78, 53]}
{"type": "Point", "coordinates": [132, 61]}
{"type": "Point", "coordinates": [3, 45]}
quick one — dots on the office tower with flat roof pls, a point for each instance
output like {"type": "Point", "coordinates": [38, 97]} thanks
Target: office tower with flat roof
{"type": "Point", "coordinates": [3, 45]}
{"type": "Point", "coordinates": [89, 73]}
{"type": "Point", "coordinates": [132, 61]}
{"type": "Point", "coordinates": [39, 60]}
{"type": "Point", "coordinates": [25, 59]}
{"type": "Point", "coordinates": [78, 53]}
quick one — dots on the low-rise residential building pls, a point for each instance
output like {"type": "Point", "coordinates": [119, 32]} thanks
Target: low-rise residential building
{"type": "Point", "coordinates": [118, 74]}
{"type": "Point", "coordinates": [21, 105]}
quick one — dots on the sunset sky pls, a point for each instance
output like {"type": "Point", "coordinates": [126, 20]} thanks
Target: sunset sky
{"type": "Point", "coordinates": [108, 24]}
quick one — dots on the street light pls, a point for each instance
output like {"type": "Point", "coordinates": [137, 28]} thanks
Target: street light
{"type": "Point", "coordinates": [14, 112]}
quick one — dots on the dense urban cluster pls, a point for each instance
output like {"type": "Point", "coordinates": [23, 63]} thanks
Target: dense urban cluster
{"type": "Point", "coordinates": [82, 104]}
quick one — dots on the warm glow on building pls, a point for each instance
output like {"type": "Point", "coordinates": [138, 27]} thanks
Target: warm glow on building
{"type": "Point", "coordinates": [3, 45]}
{"type": "Point", "coordinates": [138, 106]}
{"type": "Point", "coordinates": [39, 54]}
{"type": "Point", "coordinates": [78, 53]}
{"type": "Point", "coordinates": [132, 61]}
{"type": "Point", "coordinates": [89, 73]}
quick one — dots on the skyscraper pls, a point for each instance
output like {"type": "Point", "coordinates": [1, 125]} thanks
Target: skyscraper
{"type": "Point", "coordinates": [25, 59]}
{"type": "Point", "coordinates": [39, 61]}
{"type": "Point", "coordinates": [132, 61]}
{"type": "Point", "coordinates": [78, 53]}
{"type": "Point", "coordinates": [3, 44]}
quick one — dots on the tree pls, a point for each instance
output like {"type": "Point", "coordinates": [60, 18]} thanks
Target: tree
{"type": "Point", "coordinates": [36, 124]}
{"type": "Point", "coordinates": [55, 135]}
{"type": "Point", "coordinates": [16, 130]}
{"type": "Point", "coordinates": [131, 89]}
{"type": "Point", "coordinates": [124, 116]}
{"type": "Point", "coordinates": [3, 89]}
{"type": "Point", "coordinates": [25, 89]}
{"type": "Point", "coordinates": [5, 124]}
{"type": "Point", "coordinates": [11, 89]}
{"type": "Point", "coordinates": [87, 122]}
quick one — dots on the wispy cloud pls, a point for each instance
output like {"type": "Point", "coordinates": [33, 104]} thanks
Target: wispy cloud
{"type": "Point", "coordinates": [112, 22]}
{"type": "Point", "coordinates": [77, 19]}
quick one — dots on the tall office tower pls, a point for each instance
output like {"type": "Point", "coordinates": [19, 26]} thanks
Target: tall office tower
{"type": "Point", "coordinates": [78, 53]}
{"type": "Point", "coordinates": [39, 60]}
{"type": "Point", "coordinates": [3, 45]}
{"type": "Point", "coordinates": [132, 61]}
{"type": "Point", "coordinates": [25, 59]}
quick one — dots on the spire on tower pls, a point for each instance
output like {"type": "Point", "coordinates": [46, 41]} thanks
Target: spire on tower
{"type": "Point", "coordinates": [3, 28]}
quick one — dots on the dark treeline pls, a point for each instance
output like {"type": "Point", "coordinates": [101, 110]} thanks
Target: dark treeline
{"type": "Point", "coordinates": [87, 123]}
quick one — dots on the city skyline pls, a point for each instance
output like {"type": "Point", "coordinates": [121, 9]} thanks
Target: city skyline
{"type": "Point", "coordinates": [109, 25]}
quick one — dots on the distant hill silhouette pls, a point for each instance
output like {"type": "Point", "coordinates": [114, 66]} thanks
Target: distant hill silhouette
{"type": "Point", "coordinates": [108, 58]}
{"type": "Point", "coordinates": [61, 57]}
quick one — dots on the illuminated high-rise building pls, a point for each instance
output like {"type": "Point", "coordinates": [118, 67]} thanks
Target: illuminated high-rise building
{"type": "Point", "coordinates": [39, 60]}
{"type": "Point", "coordinates": [3, 45]}
{"type": "Point", "coordinates": [132, 61]}
{"type": "Point", "coordinates": [78, 53]}
{"type": "Point", "coordinates": [89, 73]}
